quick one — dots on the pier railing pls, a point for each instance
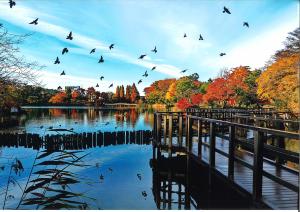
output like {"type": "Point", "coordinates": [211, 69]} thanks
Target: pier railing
{"type": "Point", "coordinates": [178, 132]}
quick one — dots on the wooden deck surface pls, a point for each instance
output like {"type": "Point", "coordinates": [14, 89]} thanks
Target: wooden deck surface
{"type": "Point", "coordinates": [273, 194]}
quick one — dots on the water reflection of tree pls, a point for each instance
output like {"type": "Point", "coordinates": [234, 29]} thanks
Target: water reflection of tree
{"type": "Point", "coordinates": [56, 112]}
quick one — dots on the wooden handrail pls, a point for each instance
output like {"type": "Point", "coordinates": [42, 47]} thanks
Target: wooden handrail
{"type": "Point", "coordinates": [257, 148]}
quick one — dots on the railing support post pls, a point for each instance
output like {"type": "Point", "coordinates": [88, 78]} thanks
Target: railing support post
{"type": "Point", "coordinates": [258, 165]}
{"type": "Point", "coordinates": [170, 135]}
{"type": "Point", "coordinates": [189, 134]}
{"type": "Point", "coordinates": [165, 128]}
{"type": "Point", "coordinates": [199, 138]}
{"type": "Point", "coordinates": [231, 152]}
{"type": "Point", "coordinates": [180, 125]}
{"type": "Point", "coordinates": [212, 144]}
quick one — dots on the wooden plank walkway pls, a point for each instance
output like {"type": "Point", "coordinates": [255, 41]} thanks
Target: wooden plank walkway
{"type": "Point", "coordinates": [249, 164]}
{"type": "Point", "coordinates": [274, 195]}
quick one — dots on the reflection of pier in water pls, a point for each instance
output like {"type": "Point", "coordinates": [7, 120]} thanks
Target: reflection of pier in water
{"type": "Point", "coordinates": [75, 141]}
{"type": "Point", "coordinates": [182, 183]}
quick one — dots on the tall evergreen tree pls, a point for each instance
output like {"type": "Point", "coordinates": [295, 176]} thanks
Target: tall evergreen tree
{"type": "Point", "coordinates": [134, 94]}
{"type": "Point", "coordinates": [128, 93]}
{"type": "Point", "coordinates": [122, 94]}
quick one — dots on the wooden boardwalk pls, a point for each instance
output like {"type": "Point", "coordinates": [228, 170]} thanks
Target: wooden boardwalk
{"type": "Point", "coordinates": [274, 195]}
{"type": "Point", "coordinates": [247, 168]}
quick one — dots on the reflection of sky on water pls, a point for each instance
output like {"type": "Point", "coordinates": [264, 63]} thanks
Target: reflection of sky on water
{"type": "Point", "coordinates": [38, 120]}
{"type": "Point", "coordinates": [120, 189]}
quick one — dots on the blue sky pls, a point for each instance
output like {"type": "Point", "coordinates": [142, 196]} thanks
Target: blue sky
{"type": "Point", "coordinates": [136, 26]}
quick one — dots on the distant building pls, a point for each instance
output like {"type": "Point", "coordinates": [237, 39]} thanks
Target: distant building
{"type": "Point", "coordinates": [72, 88]}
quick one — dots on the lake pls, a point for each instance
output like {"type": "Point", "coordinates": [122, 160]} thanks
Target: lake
{"type": "Point", "coordinates": [119, 176]}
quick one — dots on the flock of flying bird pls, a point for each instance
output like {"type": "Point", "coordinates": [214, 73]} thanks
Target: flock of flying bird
{"type": "Point", "coordinates": [65, 50]}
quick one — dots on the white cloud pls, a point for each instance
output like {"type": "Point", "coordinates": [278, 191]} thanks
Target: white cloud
{"type": "Point", "coordinates": [22, 15]}
{"type": "Point", "coordinates": [53, 80]}
{"type": "Point", "coordinates": [254, 52]}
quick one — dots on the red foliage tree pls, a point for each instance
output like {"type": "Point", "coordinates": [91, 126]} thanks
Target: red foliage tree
{"type": "Point", "coordinates": [217, 91]}
{"type": "Point", "coordinates": [183, 104]}
{"type": "Point", "coordinates": [197, 99]}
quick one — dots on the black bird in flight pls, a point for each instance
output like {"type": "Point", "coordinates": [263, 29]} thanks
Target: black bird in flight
{"type": "Point", "coordinates": [146, 74]}
{"type": "Point", "coordinates": [142, 56]}
{"type": "Point", "coordinates": [62, 73]}
{"type": "Point", "coordinates": [97, 86]}
{"type": "Point", "coordinates": [93, 51]}
{"type": "Point", "coordinates": [59, 88]}
{"type": "Point", "coordinates": [154, 50]}
{"type": "Point", "coordinates": [184, 35]}
{"type": "Point", "coordinates": [35, 22]}
{"type": "Point", "coordinates": [154, 67]}
{"type": "Point", "coordinates": [144, 193]}
{"type": "Point", "coordinates": [226, 10]}
{"type": "Point", "coordinates": [111, 46]}
{"type": "Point", "coordinates": [139, 176]}
{"type": "Point", "coordinates": [102, 77]}
{"type": "Point", "coordinates": [101, 60]}
{"type": "Point", "coordinates": [200, 37]}
{"type": "Point", "coordinates": [111, 85]}
{"type": "Point", "coordinates": [222, 54]}
{"type": "Point", "coordinates": [12, 3]}
{"type": "Point", "coordinates": [69, 37]}
{"type": "Point", "coordinates": [57, 61]}
{"type": "Point", "coordinates": [183, 71]}
{"type": "Point", "coordinates": [246, 24]}
{"type": "Point", "coordinates": [140, 81]}
{"type": "Point", "coordinates": [101, 177]}
{"type": "Point", "coordinates": [65, 50]}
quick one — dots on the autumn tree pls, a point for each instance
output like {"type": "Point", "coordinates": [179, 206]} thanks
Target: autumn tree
{"type": "Point", "coordinates": [128, 93]}
{"type": "Point", "coordinates": [186, 86]}
{"type": "Point", "coordinates": [157, 91]}
{"type": "Point", "coordinates": [122, 93]}
{"type": "Point", "coordinates": [134, 96]}
{"type": "Point", "coordinates": [197, 99]}
{"type": "Point", "coordinates": [183, 104]}
{"type": "Point", "coordinates": [58, 98]}
{"type": "Point", "coordinates": [279, 83]}
{"type": "Point", "coordinates": [91, 94]}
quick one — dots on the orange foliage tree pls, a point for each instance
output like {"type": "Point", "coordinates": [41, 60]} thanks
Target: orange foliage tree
{"type": "Point", "coordinates": [279, 82]}
{"type": "Point", "coordinates": [58, 98]}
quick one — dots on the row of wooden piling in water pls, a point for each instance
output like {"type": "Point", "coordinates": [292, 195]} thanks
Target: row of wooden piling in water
{"type": "Point", "coordinates": [75, 141]}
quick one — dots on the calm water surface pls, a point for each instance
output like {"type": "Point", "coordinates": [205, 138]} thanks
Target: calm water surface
{"type": "Point", "coordinates": [117, 176]}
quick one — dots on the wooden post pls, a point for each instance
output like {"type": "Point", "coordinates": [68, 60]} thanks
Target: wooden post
{"type": "Point", "coordinates": [231, 152]}
{"type": "Point", "coordinates": [170, 135]}
{"type": "Point", "coordinates": [212, 145]}
{"type": "Point", "coordinates": [189, 134]}
{"type": "Point", "coordinates": [158, 129]}
{"type": "Point", "coordinates": [258, 165]}
{"type": "Point", "coordinates": [165, 129]}
{"type": "Point", "coordinates": [279, 141]}
{"type": "Point", "coordinates": [199, 138]}
{"type": "Point", "coordinates": [155, 126]}
{"type": "Point", "coordinates": [180, 124]}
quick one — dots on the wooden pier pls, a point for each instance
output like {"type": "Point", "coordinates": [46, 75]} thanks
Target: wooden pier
{"type": "Point", "coordinates": [249, 156]}
{"type": "Point", "coordinates": [75, 141]}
